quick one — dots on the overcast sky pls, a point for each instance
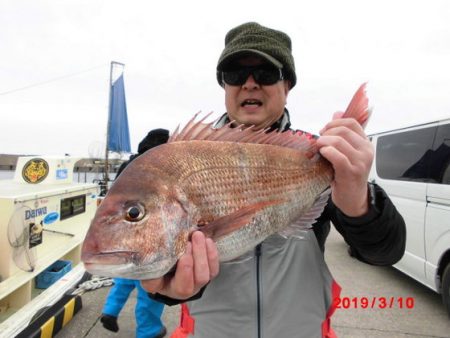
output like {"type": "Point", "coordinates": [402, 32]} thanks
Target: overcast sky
{"type": "Point", "coordinates": [55, 57]}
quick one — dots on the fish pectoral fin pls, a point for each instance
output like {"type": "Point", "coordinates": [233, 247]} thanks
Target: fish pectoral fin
{"type": "Point", "coordinates": [308, 218]}
{"type": "Point", "coordinates": [227, 224]}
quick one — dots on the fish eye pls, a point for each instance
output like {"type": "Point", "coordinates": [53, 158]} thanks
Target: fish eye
{"type": "Point", "coordinates": [134, 213]}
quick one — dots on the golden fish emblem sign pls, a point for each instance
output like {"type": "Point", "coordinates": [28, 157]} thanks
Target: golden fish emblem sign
{"type": "Point", "coordinates": [35, 170]}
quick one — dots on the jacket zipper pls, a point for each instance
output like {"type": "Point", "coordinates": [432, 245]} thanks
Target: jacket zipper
{"type": "Point", "coordinates": [258, 288]}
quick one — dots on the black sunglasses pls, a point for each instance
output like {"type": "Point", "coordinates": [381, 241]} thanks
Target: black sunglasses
{"type": "Point", "coordinates": [263, 75]}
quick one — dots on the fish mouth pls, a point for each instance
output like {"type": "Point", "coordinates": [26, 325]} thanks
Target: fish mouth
{"type": "Point", "coordinates": [125, 264]}
{"type": "Point", "coordinates": [110, 257]}
{"type": "Point", "coordinates": [109, 270]}
{"type": "Point", "coordinates": [128, 270]}
{"type": "Point", "coordinates": [108, 264]}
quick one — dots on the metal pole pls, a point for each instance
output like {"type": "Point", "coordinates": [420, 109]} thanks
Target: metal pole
{"type": "Point", "coordinates": [109, 123]}
{"type": "Point", "coordinates": [106, 176]}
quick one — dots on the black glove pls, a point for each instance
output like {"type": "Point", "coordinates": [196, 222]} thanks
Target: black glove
{"type": "Point", "coordinates": [109, 323]}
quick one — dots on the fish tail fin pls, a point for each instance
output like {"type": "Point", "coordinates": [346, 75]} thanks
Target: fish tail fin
{"type": "Point", "coordinates": [358, 107]}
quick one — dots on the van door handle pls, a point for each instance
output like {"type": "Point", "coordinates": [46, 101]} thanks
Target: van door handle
{"type": "Point", "coordinates": [438, 201]}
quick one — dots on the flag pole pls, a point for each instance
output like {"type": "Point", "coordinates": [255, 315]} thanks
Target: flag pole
{"type": "Point", "coordinates": [106, 176]}
{"type": "Point", "coordinates": [108, 128]}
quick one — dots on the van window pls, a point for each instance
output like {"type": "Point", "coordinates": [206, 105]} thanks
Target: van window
{"type": "Point", "coordinates": [440, 170]}
{"type": "Point", "coordinates": [406, 155]}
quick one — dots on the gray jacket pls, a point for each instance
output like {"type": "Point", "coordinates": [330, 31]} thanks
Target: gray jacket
{"type": "Point", "coordinates": [283, 290]}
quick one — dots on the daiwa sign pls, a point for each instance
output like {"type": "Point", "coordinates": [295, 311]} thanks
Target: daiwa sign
{"type": "Point", "coordinates": [35, 212]}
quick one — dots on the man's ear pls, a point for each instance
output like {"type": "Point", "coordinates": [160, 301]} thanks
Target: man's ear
{"type": "Point", "coordinates": [287, 87]}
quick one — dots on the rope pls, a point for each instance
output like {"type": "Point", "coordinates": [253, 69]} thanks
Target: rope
{"type": "Point", "coordinates": [51, 80]}
{"type": "Point", "coordinates": [94, 283]}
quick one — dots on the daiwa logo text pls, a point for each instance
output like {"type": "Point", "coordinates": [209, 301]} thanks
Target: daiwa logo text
{"type": "Point", "coordinates": [36, 212]}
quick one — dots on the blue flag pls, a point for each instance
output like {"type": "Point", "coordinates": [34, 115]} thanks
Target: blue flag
{"type": "Point", "coordinates": [118, 132]}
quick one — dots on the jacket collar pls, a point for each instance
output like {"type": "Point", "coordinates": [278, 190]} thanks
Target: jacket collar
{"type": "Point", "coordinates": [283, 123]}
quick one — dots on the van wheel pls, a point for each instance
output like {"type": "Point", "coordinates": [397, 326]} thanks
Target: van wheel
{"type": "Point", "coordinates": [446, 288]}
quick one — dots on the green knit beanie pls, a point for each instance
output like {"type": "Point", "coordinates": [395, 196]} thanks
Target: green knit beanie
{"type": "Point", "coordinates": [252, 38]}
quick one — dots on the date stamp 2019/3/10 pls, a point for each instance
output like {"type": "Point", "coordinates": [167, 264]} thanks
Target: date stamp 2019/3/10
{"type": "Point", "coordinates": [374, 302]}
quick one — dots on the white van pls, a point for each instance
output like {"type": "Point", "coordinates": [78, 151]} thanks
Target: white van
{"type": "Point", "coordinates": [413, 166]}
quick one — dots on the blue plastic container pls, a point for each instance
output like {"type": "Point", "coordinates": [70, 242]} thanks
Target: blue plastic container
{"type": "Point", "coordinates": [54, 272]}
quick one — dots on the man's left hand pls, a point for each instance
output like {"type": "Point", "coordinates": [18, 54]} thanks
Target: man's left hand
{"type": "Point", "coordinates": [195, 268]}
{"type": "Point", "coordinates": [344, 143]}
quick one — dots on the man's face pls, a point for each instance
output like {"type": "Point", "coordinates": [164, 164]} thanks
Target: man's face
{"type": "Point", "coordinates": [252, 103]}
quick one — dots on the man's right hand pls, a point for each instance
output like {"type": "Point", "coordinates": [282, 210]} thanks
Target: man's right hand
{"type": "Point", "coordinates": [196, 268]}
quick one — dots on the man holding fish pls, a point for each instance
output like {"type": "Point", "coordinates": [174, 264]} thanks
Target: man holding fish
{"type": "Point", "coordinates": [235, 231]}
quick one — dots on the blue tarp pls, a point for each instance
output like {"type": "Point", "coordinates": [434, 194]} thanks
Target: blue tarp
{"type": "Point", "coordinates": [118, 132]}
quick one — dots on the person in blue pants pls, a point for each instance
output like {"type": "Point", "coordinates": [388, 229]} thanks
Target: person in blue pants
{"type": "Point", "coordinates": [147, 311]}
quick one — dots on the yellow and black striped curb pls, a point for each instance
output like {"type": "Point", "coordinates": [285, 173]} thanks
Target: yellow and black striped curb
{"type": "Point", "coordinates": [53, 319]}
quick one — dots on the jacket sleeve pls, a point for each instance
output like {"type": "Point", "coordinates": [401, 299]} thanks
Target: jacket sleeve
{"type": "Point", "coordinates": [379, 237]}
{"type": "Point", "coordinates": [173, 301]}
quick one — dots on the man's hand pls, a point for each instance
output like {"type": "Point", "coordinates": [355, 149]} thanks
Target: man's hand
{"type": "Point", "coordinates": [344, 143]}
{"type": "Point", "coordinates": [198, 265]}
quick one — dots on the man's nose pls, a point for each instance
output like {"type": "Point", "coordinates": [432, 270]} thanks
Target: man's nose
{"type": "Point", "coordinates": [250, 83]}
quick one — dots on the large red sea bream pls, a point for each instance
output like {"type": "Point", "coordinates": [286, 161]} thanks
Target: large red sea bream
{"type": "Point", "coordinates": [237, 185]}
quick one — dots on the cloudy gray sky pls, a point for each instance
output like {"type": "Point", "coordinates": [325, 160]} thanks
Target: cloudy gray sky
{"type": "Point", "coordinates": [54, 68]}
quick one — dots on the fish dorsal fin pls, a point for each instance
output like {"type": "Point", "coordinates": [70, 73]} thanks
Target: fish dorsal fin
{"type": "Point", "coordinates": [308, 218]}
{"type": "Point", "coordinates": [243, 134]}
{"type": "Point", "coordinates": [192, 130]}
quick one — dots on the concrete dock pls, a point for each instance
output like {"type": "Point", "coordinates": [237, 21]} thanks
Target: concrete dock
{"type": "Point", "coordinates": [411, 310]}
